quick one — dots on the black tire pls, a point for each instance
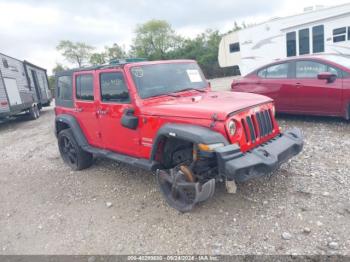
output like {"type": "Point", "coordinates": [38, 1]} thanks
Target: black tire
{"type": "Point", "coordinates": [34, 112]}
{"type": "Point", "coordinates": [71, 153]}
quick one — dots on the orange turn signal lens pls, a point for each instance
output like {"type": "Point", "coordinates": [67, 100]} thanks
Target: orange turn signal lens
{"type": "Point", "coordinates": [209, 148]}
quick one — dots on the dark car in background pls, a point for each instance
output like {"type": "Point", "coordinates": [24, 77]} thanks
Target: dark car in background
{"type": "Point", "coordinates": [309, 85]}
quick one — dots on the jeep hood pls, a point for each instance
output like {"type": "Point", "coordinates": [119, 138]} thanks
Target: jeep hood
{"type": "Point", "coordinates": [204, 105]}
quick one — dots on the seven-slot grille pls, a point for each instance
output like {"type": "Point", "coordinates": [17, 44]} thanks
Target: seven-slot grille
{"type": "Point", "coordinates": [257, 125]}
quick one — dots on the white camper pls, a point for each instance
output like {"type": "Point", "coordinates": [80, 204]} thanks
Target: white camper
{"type": "Point", "coordinates": [316, 31]}
{"type": "Point", "coordinates": [23, 87]}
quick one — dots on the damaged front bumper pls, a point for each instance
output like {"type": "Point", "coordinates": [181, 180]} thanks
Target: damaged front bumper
{"type": "Point", "coordinates": [236, 165]}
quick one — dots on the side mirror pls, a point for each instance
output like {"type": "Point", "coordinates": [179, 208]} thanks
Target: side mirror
{"type": "Point", "coordinates": [129, 120]}
{"type": "Point", "coordinates": [327, 76]}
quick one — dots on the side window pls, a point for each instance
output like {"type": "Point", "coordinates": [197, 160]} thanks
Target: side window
{"type": "Point", "coordinates": [64, 86]}
{"type": "Point", "coordinates": [349, 33]}
{"type": "Point", "coordinates": [304, 41]}
{"type": "Point", "coordinates": [85, 87]}
{"type": "Point", "coordinates": [339, 34]}
{"type": "Point", "coordinates": [318, 39]}
{"type": "Point", "coordinates": [262, 73]}
{"type": "Point", "coordinates": [291, 39]}
{"type": "Point", "coordinates": [335, 71]}
{"type": "Point", "coordinates": [113, 88]}
{"type": "Point", "coordinates": [277, 71]}
{"type": "Point", "coordinates": [309, 69]}
{"type": "Point", "coordinates": [234, 47]}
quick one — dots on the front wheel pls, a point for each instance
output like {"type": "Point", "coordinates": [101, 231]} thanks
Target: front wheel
{"type": "Point", "coordinates": [180, 192]}
{"type": "Point", "coordinates": [71, 152]}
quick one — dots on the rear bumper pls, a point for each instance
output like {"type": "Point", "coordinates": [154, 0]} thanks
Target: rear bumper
{"type": "Point", "coordinates": [260, 161]}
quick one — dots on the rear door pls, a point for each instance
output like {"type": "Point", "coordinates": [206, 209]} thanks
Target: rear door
{"type": "Point", "coordinates": [114, 100]}
{"type": "Point", "coordinates": [315, 95]}
{"type": "Point", "coordinates": [275, 82]}
{"type": "Point", "coordinates": [85, 106]}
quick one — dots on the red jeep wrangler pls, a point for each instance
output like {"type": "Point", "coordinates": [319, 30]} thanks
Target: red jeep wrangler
{"type": "Point", "coordinates": [162, 116]}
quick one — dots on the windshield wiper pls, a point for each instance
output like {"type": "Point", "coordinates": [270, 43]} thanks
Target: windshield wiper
{"type": "Point", "coordinates": [169, 94]}
{"type": "Point", "coordinates": [192, 88]}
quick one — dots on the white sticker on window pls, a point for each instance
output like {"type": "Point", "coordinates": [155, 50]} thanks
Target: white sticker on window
{"type": "Point", "coordinates": [194, 75]}
{"type": "Point", "coordinates": [137, 71]}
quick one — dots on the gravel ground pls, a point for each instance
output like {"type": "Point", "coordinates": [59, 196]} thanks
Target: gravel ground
{"type": "Point", "coordinates": [112, 208]}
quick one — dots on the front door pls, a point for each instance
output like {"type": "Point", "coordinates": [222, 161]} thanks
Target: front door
{"type": "Point", "coordinates": [317, 95]}
{"type": "Point", "coordinates": [85, 107]}
{"type": "Point", "coordinates": [114, 100]}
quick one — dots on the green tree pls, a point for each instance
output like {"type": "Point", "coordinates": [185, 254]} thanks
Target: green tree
{"type": "Point", "coordinates": [98, 58]}
{"type": "Point", "coordinates": [203, 48]}
{"type": "Point", "coordinates": [58, 68]}
{"type": "Point", "coordinates": [109, 53]}
{"type": "Point", "coordinates": [77, 53]}
{"type": "Point", "coordinates": [115, 51]}
{"type": "Point", "coordinates": [154, 39]}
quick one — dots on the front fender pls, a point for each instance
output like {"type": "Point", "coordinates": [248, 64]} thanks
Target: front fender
{"type": "Point", "coordinates": [190, 133]}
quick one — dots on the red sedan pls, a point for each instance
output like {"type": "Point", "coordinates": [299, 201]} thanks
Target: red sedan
{"type": "Point", "coordinates": [305, 85]}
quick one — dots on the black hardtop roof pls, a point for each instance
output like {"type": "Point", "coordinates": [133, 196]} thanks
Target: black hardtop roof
{"type": "Point", "coordinates": [90, 68]}
{"type": "Point", "coordinates": [118, 64]}
{"type": "Point", "coordinates": [114, 63]}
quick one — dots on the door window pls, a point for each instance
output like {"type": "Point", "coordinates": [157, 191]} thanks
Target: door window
{"type": "Point", "coordinates": [113, 88]}
{"type": "Point", "coordinates": [262, 73]}
{"type": "Point", "coordinates": [335, 71]}
{"type": "Point", "coordinates": [309, 69]}
{"type": "Point", "coordinates": [85, 87]}
{"type": "Point", "coordinates": [64, 86]}
{"type": "Point", "coordinates": [277, 71]}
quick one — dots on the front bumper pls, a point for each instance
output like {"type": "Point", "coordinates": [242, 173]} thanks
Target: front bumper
{"type": "Point", "coordinates": [239, 166]}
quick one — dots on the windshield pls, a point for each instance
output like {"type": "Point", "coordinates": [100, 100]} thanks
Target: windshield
{"type": "Point", "coordinates": [163, 79]}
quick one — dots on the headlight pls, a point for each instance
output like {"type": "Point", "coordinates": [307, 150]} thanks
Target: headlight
{"type": "Point", "coordinates": [232, 127]}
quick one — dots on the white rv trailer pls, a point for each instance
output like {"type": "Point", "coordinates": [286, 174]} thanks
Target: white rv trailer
{"type": "Point", "coordinates": [316, 31]}
{"type": "Point", "coordinates": [23, 87]}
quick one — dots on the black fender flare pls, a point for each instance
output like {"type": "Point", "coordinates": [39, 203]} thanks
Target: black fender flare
{"type": "Point", "coordinates": [191, 133]}
{"type": "Point", "coordinates": [74, 126]}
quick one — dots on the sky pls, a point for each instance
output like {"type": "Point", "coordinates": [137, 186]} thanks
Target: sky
{"type": "Point", "coordinates": [31, 29]}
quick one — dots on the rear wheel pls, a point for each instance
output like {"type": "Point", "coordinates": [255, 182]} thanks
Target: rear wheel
{"type": "Point", "coordinates": [71, 152]}
{"type": "Point", "coordinates": [34, 112]}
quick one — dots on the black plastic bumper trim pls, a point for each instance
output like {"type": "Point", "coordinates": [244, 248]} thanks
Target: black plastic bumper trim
{"type": "Point", "coordinates": [264, 159]}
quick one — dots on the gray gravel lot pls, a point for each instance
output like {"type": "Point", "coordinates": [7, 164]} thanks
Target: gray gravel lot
{"type": "Point", "coordinates": [46, 208]}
